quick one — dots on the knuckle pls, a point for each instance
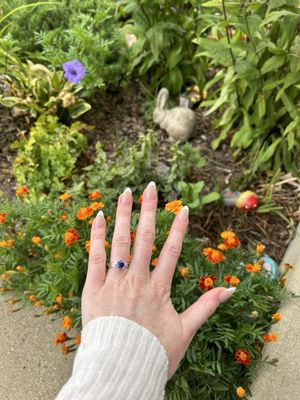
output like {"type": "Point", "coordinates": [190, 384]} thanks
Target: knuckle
{"type": "Point", "coordinates": [147, 236]}
{"type": "Point", "coordinates": [122, 240]}
{"type": "Point", "coordinates": [208, 308]}
{"type": "Point", "coordinates": [97, 258]}
{"type": "Point", "coordinates": [174, 251]}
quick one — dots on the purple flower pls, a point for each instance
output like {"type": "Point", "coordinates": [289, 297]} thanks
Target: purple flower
{"type": "Point", "coordinates": [74, 71]}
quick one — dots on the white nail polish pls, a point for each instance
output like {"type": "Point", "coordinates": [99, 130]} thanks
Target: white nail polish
{"type": "Point", "coordinates": [184, 214]}
{"type": "Point", "coordinates": [127, 190]}
{"type": "Point", "coordinates": [151, 184]}
{"type": "Point", "coordinates": [100, 214]}
{"type": "Point", "coordinates": [226, 294]}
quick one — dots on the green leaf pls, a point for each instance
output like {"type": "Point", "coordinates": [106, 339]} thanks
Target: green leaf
{"type": "Point", "coordinates": [273, 63]}
{"type": "Point", "coordinates": [78, 109]}
{"type": "Point", "coordinates": [156, 41]}
{"type": "Point", "coordinates": [211, 197]}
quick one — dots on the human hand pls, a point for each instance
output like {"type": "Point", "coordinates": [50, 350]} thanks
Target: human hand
{"type": "Point", "coordinates": [136, 293]}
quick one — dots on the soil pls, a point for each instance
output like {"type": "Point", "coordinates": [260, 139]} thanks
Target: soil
{"type": "Point", "coordinates": [117, 116]}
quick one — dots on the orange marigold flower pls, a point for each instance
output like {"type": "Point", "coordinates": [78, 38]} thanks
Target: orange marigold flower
{"type": "Point", "coordinates": [12, 301]}
{"type": "Point", "coordinates": [60, 338]}
{"type": "Point", "coordinates": [71, 236]}
{"type": "Point", "coordinates": [64, 349]}
{"type": "Point", "coordinates": [283, 281]}
{"type": "Point", "coordinates": [84, 213]}
{"type": "Point", "coordinates": [20, 268]}
{"type": "Point", "coordinates": [154, 262]}
{"type": "Point", "coordinates": [227, 235]}
{"type": "Point", "coordinates": [260, 248]}
{"type": "Point", "coordinates": [77, 338]}
{"type": "Point", "coordinates": [65, 196]}
{"type": "Point", "coordinates": [63, 217]}
{"type": "Point", "coordinates": [96, 205]}
{"type": "Point", "coordinates": [206, 282]}
{"type": "Point", "coordinates": [36, 239]}
{"type": "Point", "coordinates": [132, 235]}
{"type": "Point", "coordinates": [109, 218]}
{"type": "Point", "coordinates": [21, 191]}
{"type": "Point", "coordinates": [88, 246]}
{"type": "Point", "coordinates": [288, 266]}
{"type": "Point", "coordinates": [7, 243]}
{"type": "Point", "coordinates": [154, 248]}
{"type": "Point", "coordinates": [56, 307]}
{"type": "Point", "coordinates": [67, 322]}
{"type": "Point", "coordinates": [107, 245]}
{"type": "Point", "coordinates": [276, 317]}
{"type": "Point", "coordinates": [32, 297]}
{"type": "Point", "coordinates": [271, 337]}
{"type": "Point", "coordinates": [59, 299]}
{"type": "Point", "coordinates": [234, 281]}
{"type": "Point", "coordinates": [174, 206]}
{"type": "Point", "coordinates": [213, 255]}
{"type": "Point", "coordinates": [227, 278]}
{"type": "Point", "coordinates": [232, 242]}
{"type": "Point", "coordinates": [184, 271]}
{"type": "Point", "coordinates": [222, 246]}
{"type": "Point", "coordinates": [249, 267]}
{"type": "Point", "coordinates": [4, 276]}
{"type": "Point", "coordinates": [3, 218]}
{"type": "Point", "coordinates": [129, 258]}
{"type": "Point", "coordinates": [241, 392]}
{"type": "Point", "coordinates": [38, 303]}
{"type": "Point", "coordinates": [256, 267]}
{"type": "Point", "coordinates": [95, 195]}
{"type": "Point", "coordinates": [242, 357]}
{"type": "Point", "coordinates": [91, 221]}
{"type": "Point", "coordinates": [141, 199]}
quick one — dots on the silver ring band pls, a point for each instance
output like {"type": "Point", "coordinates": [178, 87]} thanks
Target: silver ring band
{"type": "Point", "coordinates": [120, 264]}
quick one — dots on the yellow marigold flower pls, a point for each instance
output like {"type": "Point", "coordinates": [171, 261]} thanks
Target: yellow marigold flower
{"type": "Point", "coordinates": [222, 247]}
{"type": "Point", "coordinates": [84, 213]}
{"type": "Point", "coordinates": [241, 392]}
{"type": "Point", "coordinates": [96, 205]}
{"type": "Point", "coordinates": [77, 338]}
{"type": "Point", "coordinates": [154, 262]}
{"type": "Point", "coordinates": [59, 299]}
{"type": "Point", "coordinates": [174, 206]}
{"type": "Point", "coordinates": [94, 195]}
{"type": "Point", "coordinates": [21, 191]}
{"type": "Point", "coordinates": [36, 239]}
{"type": "Point", "coordinates": [32, 297]}
{"type": "Point", "coordinates": [38, 303]}
{"type": "Point", "coordinates": [20, 268]}
{"type": "Point", "coordinates": [67, 322]}
{"type": "Point", "coordinates": [65, 196]}
{"type": "Point", "coordinates": [234, 281]}
{"type": "Point", "coordinates": [4, 276]}
{"type": "Point", "coordinates": [227, 235]}
{"type": "Point", "coordinates": [184, 271]}
{"type": "Point", "coordinates": [260, 248]}
{"type": "Point", "coordinates": [276, 317]}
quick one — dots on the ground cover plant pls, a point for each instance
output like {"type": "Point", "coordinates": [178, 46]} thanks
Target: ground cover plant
{"type": "Point", "coordinates": [44, 249]}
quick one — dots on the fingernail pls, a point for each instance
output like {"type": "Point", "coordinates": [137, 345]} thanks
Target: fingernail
{"type": "Point", "coordinates": [127, 196]}
{"type": "Point", "coordinates": [226, 294]}
{"type": "Point", "coordinates": [150, 192]}
{"type": "Point", "coordinates": [184, 214]}
{"type": "Point", "coordinates": [99, 221]}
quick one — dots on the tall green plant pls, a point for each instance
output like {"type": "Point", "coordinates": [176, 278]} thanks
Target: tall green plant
{"type": "Point", "coordinates": [256, 52]}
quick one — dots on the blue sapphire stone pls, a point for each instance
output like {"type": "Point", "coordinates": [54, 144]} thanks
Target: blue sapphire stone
{"type": "Point", "coordinates": [120, 264]}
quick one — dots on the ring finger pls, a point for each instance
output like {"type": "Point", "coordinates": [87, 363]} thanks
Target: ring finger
{"type": "Point", "coordinates": [121, 238]}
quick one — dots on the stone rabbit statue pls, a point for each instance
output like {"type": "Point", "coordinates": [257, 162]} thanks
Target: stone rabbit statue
{"type": "Point", "coordinates": [178, 122]}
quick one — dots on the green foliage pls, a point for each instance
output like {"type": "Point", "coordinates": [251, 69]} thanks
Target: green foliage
{"type": "Point", "coordinates": [256, 51]}
{"type": "Point", "coordinates": [164, 50]}
{"type": "Point", "coordinates": [85, 30]}
{"type": "Point", "coordinates": [35, 89]}
{"type": "Point", "coordinates": [48, 156]}
{"type": "Point", "coordinates": [209, 369]}
{"type": "Point", "coordinates": [135, 165]}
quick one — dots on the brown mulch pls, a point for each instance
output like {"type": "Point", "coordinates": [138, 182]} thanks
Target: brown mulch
{"type": "Point", "coordinates": [117, 117]}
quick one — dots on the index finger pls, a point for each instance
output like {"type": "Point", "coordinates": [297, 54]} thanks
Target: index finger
{"type": "Point", "coordinates": [171, 250]}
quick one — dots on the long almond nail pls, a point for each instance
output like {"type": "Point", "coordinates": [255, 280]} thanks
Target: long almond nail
{"type": "Point", "coordinates": [184, 214]}
{"type": "Point", "coordinates": [226, 294]}
{"type": "Point", "coordinates": [150, 192]}
{"type": "Point", "coordinates": [126, 196]}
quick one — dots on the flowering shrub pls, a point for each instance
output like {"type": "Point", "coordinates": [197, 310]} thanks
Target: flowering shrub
{"type": "Point", "coordinates": [44, 250]}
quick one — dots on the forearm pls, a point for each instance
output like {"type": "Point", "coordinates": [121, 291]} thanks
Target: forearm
{"type": "Point", "coordinates": [117, 359]}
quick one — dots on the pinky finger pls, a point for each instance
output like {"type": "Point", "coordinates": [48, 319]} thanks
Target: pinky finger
{"type": "Point", "coordinates": [97, 259]}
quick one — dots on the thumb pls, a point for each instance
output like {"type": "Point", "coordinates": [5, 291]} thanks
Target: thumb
{"type": "Point", "coordinates": [198, 313]}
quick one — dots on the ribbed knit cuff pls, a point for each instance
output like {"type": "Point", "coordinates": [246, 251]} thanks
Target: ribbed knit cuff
{"type": "Point", "coordinates": [117, 359]}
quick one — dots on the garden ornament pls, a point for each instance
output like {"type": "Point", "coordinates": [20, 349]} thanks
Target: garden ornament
{"type": "Point", "coordinates": [247, 201]}
{"type": "Point", "coordinates": [271, 267]}
{"type": "Point", "coordinates": [229, 198]}
{"type": "Point", "coordinates": [178, 122]}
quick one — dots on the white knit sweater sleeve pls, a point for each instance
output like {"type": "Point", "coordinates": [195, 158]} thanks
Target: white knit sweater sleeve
{"type": "Point", "coordinates": [117, 359]}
